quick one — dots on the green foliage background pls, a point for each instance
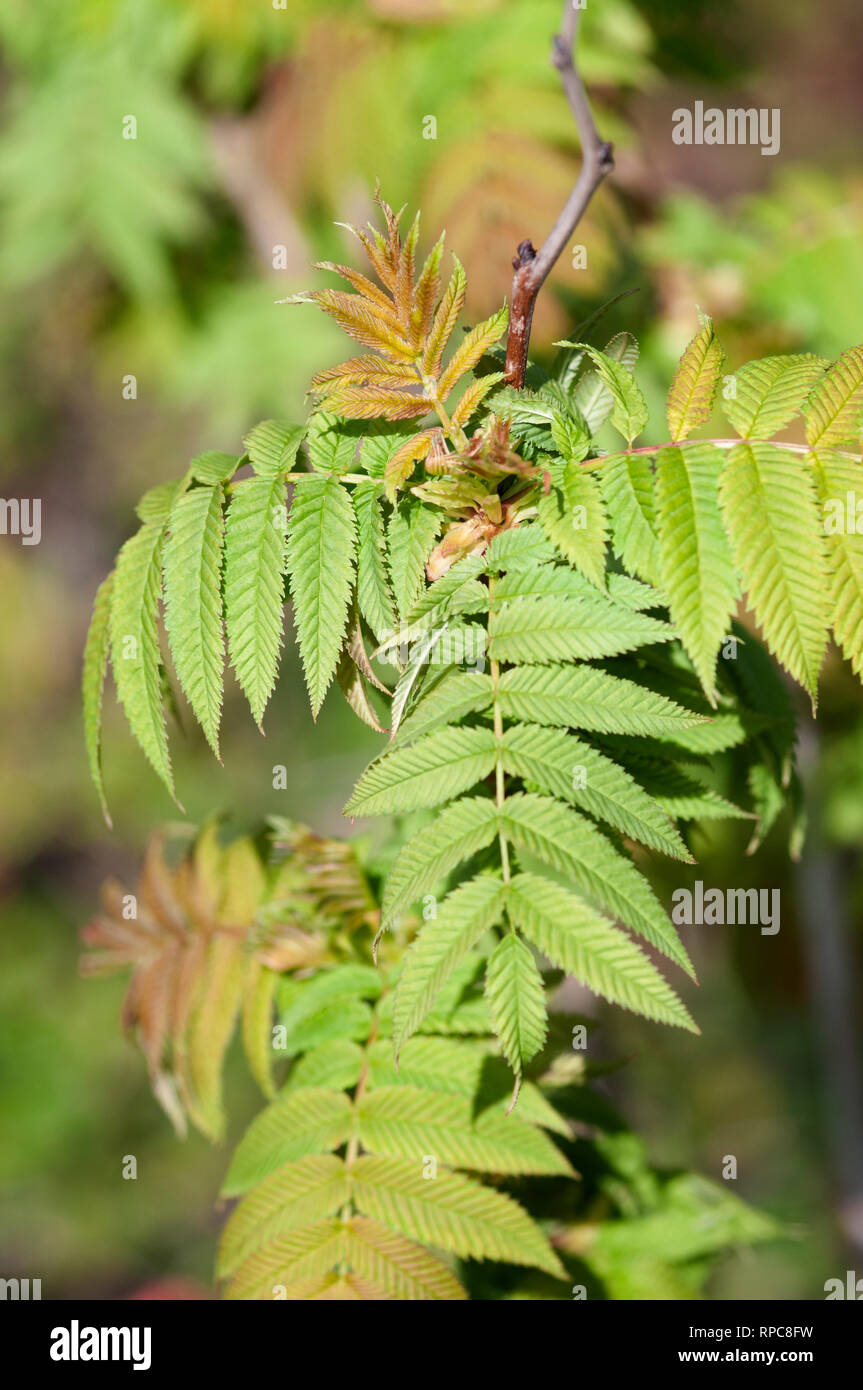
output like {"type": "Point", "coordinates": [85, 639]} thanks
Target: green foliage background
{"type": "Point", "coordinates": [257, 128]}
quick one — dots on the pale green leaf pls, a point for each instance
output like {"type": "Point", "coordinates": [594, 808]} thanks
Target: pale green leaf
{"type": "Point", "coordinates": [301, 1122]}
{"type": "Point", "coordinates": [433, 770]}
{"type": "Point", "coordinates": [570, 770]}
{"type": "Point", "coordinates": [516, 1001]}
{"type": "Point", "coordinates": [452, 1213]}
{"type": "Point", "coordinates": [693, 390]}
{"type": "Point", "coordinates": [585, 945]}
{"type": "Point", "coordinates": [696, 568]}
{"type": "Point", "coordinates": [834, 410]}
{"type": "Point", "coordinates": [444, 940]}
{"type": "Point", "coordinates": [572, 845]}
{"type": "Point", "coordinates": [771, 514]}
{"type": "Point", "coordinates": [581, 697]}
{"type": "Point", "coordinates": [457, 833]}
{"type": "Point", "coordinates": [627, 489]}
{"type": "Point", "coordinates": [573, 518]}
{"type": "Point", "coordinates": [768, 393]}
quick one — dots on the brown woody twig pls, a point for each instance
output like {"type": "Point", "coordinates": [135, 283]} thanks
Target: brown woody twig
{"type": "Point", "coordinates": [531, 266]}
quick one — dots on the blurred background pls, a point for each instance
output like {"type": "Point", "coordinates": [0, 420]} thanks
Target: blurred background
{"type": "Point", "coordinates": [259, 128]}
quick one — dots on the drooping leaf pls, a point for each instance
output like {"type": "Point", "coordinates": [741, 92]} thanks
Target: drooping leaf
{"type": "Point", "coordinates": [516, 1001]}
{"type": "Point", "coordinates": [320, 562]}
{"type": "Point", "coordinates": [573, 518]}
{"type": "Point", "coordinates": [412, 531]}
{"type": "Point", "coordinates": [628, 492]}
{"type": "Point", "coordinates": [373, 589]}
{"type": "Point", "coordinates": [696, 568]}
{"type": "Point", "coordinates": [837, 480]}
{"type": "Point", "coordinates": [193, 602]}
{"type": "Point", "coordinates": [93, 684]}
{"type": "Point", "coordinates": [135, 658]}
{"type": "Point", "coordinates": [254, 586]}
{"type": "Point", "coordinates": [771, 514]}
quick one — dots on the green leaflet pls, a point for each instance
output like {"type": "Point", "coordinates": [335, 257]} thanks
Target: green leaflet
{"type": "Point", "coordinates": [254, 586]}
{"type": "Point", "coordinates": [532, 413]}
{"type": "Point", "coordinates": [336, 1065]}
{"type": "Point", "coordinates": [837, 480]}
{"type": "Point", "coordinates": [770, 510]}
{"type": "Point", "coordinates": [573, 518]}
{"type": "Point", "coordinates": [212, 468]}
{"type": "Point", "coordinates": [571, 844]}
{"type": "Point", "coordinates": [437, 601]}
{"type": "Point", "coordinates": [629, 412]}
{"type": "Point", "coordinates": [696, 568]}
{"type": "Point", "coordinates": [296, 1262]}
{"type": "Point", "coordinates": [559, 581]}
{"type": "Point", "coordinates": [521, 548]}
{"type": "Point", "coordinates": [627, 489]}
{"type": "Point", "coordinates": [463, 1067]}
{"type": "Point", "coordinates": [693, 390]}
{"type": "Point", "coordinates": [768, 393]}
{"type": "Point", "coordinates": [373, 587]}
{"type": "Point", "coordinates": [396, 1268]}
{"type": "Point", "coordinates": [563, 629]}
{"type": "Point", "coordinates": [461, 920]}
{"type": "Point", "coordinates": [332, 443]}
{"type": "Point", "coordinates": [516, 1001]}
{"type": "Point", "coordinates": [592, 396]}
{"type": "Point", "coordinates": [581, 697]}
{"type": "Point", "coordinates": [452, 1213]}
{"type": "Point", "coordinates": [565, 767]}
{"type": "Point", "coordinates": [396, 1121]}
{"type": "Point", "coordinates": [585, 945]}
{"type": "Point", "coordinates": [156, 504]}
{"type": "Point", "coordinates": [193, 602]}
{"type": "Point", "coordinates": [320, 562]}
{"type": "Point", "coordinates": [411, 533]}
{"type": "Point", "coordinates": [135, 658]}
{"type": "Point", "coordinates": [456, 694]}
{"type": "Point", "coordinates": [291, 1197]}
{"type": "Point", "coordinates": [93, 684]}
{"type": "Point", "coordinates": [310, 1121]}
{"type": "Point", "coordinates": [434, 769]}
{"type": "Point", "coordinates": [272, 447]}
{"type": "Point", "coordinates": [258, 1003]}
{"type": "Point", "coordinates": [834, 410]}
{"type": "Point", "coordinates": [457, 833]}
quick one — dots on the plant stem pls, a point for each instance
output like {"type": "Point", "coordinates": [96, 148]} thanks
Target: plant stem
{"type": "Point", "coordinates": [532, 267]}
